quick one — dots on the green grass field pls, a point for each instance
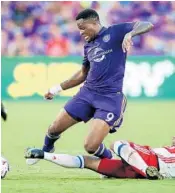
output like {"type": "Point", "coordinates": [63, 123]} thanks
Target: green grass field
{"type": "Point", "coordinates": [145, 123]}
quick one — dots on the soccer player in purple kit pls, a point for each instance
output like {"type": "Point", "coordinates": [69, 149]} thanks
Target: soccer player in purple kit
{"type": "Point", "coordinates": [100, 98]}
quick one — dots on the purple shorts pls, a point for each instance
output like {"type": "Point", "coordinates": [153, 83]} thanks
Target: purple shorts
{"type": "Point", "coordinates": [87, 104]}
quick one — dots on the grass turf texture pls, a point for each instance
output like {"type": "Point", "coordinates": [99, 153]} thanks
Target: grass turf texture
{"type": "Point", "coordinates": [145, 123]}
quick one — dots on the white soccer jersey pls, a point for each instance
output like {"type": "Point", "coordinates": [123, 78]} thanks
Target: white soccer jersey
{"type": "Point", "coordinates": [166, 158]}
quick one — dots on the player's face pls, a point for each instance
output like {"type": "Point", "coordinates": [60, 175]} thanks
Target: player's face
{"type": "Point", "coordinates": [87, 29]}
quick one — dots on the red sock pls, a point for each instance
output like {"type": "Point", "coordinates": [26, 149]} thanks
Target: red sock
{"type": "Point", "coordinates": [116, 168]}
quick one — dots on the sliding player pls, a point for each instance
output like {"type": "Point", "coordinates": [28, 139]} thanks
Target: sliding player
{"type": "Point", "coordinates": [136, 161]}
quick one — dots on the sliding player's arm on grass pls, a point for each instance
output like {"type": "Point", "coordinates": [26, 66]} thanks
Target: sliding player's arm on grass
{"type": "Point", "coordinates": [78, 78]}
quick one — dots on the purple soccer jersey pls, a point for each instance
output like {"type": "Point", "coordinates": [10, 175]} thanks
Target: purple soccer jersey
{"type": "Point", "coordinates": [101, 96]}
{"type": "Point", "coordinates": [106, 59]}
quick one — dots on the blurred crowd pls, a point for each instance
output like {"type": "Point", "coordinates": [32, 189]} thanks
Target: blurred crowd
{"type": "Point", "coordinates": [49, 28]}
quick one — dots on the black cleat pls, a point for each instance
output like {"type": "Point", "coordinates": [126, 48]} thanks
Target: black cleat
{"type": "Point", "coordinates": [33, 153]}
{"type": "Point", "coordinates": [153, 173]}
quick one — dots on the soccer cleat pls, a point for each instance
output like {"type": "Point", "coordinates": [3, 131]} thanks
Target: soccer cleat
{"type": "Point", "coordinates": [31, 161]}
{"type": "Point", "coordinates": [153, 173]}
{"type": "Point", "coordinates": [32, 155]}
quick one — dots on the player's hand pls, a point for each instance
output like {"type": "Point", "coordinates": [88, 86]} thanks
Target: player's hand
{"type": "Point", "coordinates": [48, 96]}
{"type": "Point", "coordinates": [52, 92]}
{"type": "Point", "coordinates": [127, 42]}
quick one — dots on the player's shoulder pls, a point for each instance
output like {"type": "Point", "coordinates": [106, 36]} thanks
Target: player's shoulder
{"type": "Point", "coordinates": [119, 26]}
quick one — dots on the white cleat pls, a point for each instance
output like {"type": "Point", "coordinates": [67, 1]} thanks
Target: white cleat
{"type": "Point", "coordinates": [31, 161]}
{"type": "Point", "coordinates": [35, 161]}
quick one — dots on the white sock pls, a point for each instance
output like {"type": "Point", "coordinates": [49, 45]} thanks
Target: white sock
{"type": "Point", "coordinates": [131, 156]}
{"type": "Point", "coordinates": [65, 160]}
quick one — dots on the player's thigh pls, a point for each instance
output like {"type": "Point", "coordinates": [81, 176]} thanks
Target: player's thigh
{"type": "Point", "coordinates": [116, 168]}
{"type": "Point", "coordinates": [112, 168]}
{"type": "Point", "coordinates": [97, 132]}
{"type": "Point", "coordinates": [79, 109]}
{"type": "Point", "coordinates": [62, 122]}
{"type": "Point", "coordinates": [112, 110]}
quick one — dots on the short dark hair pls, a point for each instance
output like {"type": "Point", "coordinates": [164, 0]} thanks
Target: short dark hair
{"type": "Point", "coordinates": [88, 14]}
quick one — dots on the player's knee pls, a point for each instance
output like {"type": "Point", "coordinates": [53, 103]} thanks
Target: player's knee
{"type": "Point", "coordinates": [90, 148]}
{"type": "Point", "coordinates": [117, 146]}
{"type": "Point", "coordinates": [52, 131]}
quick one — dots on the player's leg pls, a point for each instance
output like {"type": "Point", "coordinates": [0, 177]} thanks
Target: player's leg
{"type": "Point", "coordinates": [64, 160]}
{"type": "Point", "coordinates": [108, 116]}
{"type": "Point", "coordinates": [116, 168]}
{"type": "Point", "coordinates": [141, 158]}
{"type": "Point", "coordinates": [108, 167]}
{"type": "Point", "coordinates": [93, 142]}
{"type": "Point", "coordinates": [62, 122]}
{"type": "Point", "coordinates": [130, 155]}
{"type": "Point", "coordinates": [75, 110]}
{"type": "Point", "coordinates": [69, 161]}
{"type": "Point", "coordinates": [111, 168]}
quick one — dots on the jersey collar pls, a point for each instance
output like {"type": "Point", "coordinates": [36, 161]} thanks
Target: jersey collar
{"type": "Point", "coordinates": [101, 31]}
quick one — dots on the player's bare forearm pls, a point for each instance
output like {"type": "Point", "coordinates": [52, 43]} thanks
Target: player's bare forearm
{"type": "Point", "coordinates": [78, 78]}
{"type": "Point", "coordinates": [75, 80]}
{"type": "Point", "coordinates": [138, 28]}
{"type": "Point", "coordinates": [141, 27]}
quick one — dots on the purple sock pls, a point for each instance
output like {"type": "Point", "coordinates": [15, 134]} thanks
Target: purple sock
{"type": "Point", "coordinates": [102, 152]}
{"type": "Point", "coordinates": [49, 142]}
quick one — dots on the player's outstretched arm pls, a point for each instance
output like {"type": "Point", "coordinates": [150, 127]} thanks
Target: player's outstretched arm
{"type": "Point", "coordinates": [78, 78]}
{"type": "Point", "coordinates": [139, 27]}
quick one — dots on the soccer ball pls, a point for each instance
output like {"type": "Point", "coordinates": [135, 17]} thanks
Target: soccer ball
{"type": "Point", "coordinates": [4, 167]}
